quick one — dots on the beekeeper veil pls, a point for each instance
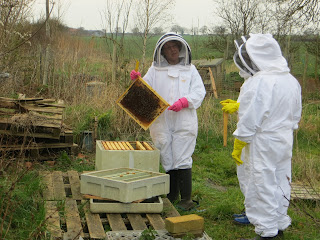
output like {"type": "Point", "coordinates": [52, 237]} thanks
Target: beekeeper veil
{"type": "Point", "coordinates": [184, 53]}
{"type": "Point", "coordinates": [242, 59]}
{"type": "Point", "coordinates": [259, 52]}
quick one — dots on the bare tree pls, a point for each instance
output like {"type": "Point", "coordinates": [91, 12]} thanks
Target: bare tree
{"type": "Point", "coordinates": [12, 13]}
{"type": "Point", "coordinates": [204, 30]}
{"type": "Point", "coordinates": [116, 17]}
{"type": "Point", "coordinates": [149, 14]}
{"type": "Point", "coordinates": [157, 30]}
{"type": "Point", "coordinates": [238, 15]}
{"type": "Point", "coordinates": [309, 10]}
{"type": "Point", "coordinates": [177, 29]}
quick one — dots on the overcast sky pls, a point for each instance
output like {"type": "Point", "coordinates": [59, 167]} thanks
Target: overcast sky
{"type": "Point", "coordinates": [86, 13]}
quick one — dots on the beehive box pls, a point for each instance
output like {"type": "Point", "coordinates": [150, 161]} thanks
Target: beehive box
{"type": "Point", "coordinates": [155, 205]}
{"type": "Point", "coordinates": [142, 103]}
{"type": "Point", "coordinates": [124, 184]}
{"type": "Point", "coordinates": [130, 154]}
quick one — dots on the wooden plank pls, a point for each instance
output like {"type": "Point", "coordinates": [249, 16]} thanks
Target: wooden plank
{"type": "Point", "coordinates": [156, 221]}
{"type": "Point", "coordinates": [169, 209]}
{"type": "Point", "coordinates": [95, 227]}
{"type": "Point", "coordinates": [300, 191]}
{"type": "Point", "coordinates": [48, 193]}
{"type": "Point", "coordinates": [42, 109]}
{"type": "Point", "coordinates": [58, 186]}
{"type": "Point", "coordinates": [75, 185]}
{"type": "Point", "coordinates": [225, 128]}
{"type": "Point", "coordinates": [116, 223]}
{"type": "Point", "coordinates": [38, 146]}
{"type": "Point", "coordinates": [53, 219]}
{"type": "Point", "coordinates": [5, 104]}
{"type": "Point", "coordinates": [35, 135]}
{"type": "Point", "coordinates": [36, 123]}
{"type": "Point", "coordinates": [50, 105]}
{"type": "Point", "coordinates": [136, 221]}
{"type": "Point", "coordinates": [54, 116]}
{"type": "Point", "coordinates": [213, 84]}
{"type": "Point", "coordinates": [74, 227]}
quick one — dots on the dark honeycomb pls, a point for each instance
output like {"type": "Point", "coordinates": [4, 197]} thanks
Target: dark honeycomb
{"type": "Point", "coordinates": [141, 102]}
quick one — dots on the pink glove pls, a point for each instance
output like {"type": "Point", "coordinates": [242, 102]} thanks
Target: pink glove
{"type": "Point", "coordinates": [178, 105]}
{"type": "Point", "coordinates": [134, 75]}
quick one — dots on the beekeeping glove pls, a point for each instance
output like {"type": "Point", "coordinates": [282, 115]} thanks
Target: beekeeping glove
{"type": "Point", "coordinates": [178, 105]}
{"type": "Point", "coordinates": [237, 149]}
{"type": "Point", "coordinates": [225, 102]}
{"type": "Point", "coordinates": [230, 106]}
{"type": "Point", "coordinates": [134, 74]}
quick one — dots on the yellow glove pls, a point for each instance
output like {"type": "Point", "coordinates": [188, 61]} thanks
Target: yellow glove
{"type": "Point", "coordinates": [225, 102]}
{"type": "Point", "coordinates": [237, 149]}
{"type": "Point", "coordinates": [230, 106]}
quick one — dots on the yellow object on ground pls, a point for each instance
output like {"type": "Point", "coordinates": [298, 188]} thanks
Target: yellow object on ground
{"type": "Point", "coordinates": [181, 225]}
{"type": "Point", "coordinates": [237, 149]}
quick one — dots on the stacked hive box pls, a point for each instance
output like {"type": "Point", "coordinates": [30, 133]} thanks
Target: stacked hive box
{"type": "Point", "coordinates": [129, 171]}
{"type": "Point", "coordinates": [133, 154]}
{"type": "Point", "coordinates": [125, 185]}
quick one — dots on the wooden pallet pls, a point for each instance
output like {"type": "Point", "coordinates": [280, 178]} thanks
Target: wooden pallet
{"type": "Point", "coordinates": [35, 117]}
{"type": "Point", "coordinates": [69, 217]}
{"type": "Point", "coordinates": [301, 191]}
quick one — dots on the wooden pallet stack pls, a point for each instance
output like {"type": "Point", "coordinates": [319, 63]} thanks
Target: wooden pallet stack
{"type": "Point", "coordinates": [32, 128]}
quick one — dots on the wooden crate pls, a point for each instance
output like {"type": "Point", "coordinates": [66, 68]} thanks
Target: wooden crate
{"type": "Point", "coordinates": [137, 98]}
{"type": "Point", "coordinates": [68, 214]}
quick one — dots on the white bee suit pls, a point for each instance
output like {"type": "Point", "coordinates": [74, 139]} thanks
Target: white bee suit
{"type": "Point", "coordinates": [175, 133]}
{"type": "Point", "coordinates": [270, 109]}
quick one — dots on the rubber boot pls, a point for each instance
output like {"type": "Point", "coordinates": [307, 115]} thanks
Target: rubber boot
{"type": "Point", "coordinates": [173, 195]}
{"type": "Point", "coordinates": [185, 182]}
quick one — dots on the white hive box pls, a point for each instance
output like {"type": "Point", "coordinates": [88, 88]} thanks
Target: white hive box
{"type": "Point", "coordinates": [100, 206]}
{"type": "Point", "coordinates": [124, 184]}
{"type": "Point", "coordinates": [148, 160]}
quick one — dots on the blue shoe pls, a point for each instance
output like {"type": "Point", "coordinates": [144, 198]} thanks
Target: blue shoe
{"type": "Point", "coordinates": [239, 215]}
{"type": "Point", "coordinates": [242, 220]}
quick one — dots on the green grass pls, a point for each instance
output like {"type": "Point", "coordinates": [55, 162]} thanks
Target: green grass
{"type": "Point", "coordinates": [22, 211]}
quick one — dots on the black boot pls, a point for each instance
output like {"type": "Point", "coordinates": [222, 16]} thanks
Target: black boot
{"type": "Point", "coordinates": [173, 195]}
{"type": "Point", "coordinates": [185, 182]}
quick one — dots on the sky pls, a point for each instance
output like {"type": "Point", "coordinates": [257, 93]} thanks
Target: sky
{"type": "Point", "coordinates": [86, 13]}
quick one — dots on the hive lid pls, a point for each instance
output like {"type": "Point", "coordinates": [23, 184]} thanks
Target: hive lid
{"type": "Point", "coordinates": [142, 103]}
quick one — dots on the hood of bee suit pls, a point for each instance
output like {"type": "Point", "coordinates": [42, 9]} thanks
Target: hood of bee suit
{"type": "Point", "coordinates": [184, 54]}
{"type": "Point", "coordinates": [264, 53]}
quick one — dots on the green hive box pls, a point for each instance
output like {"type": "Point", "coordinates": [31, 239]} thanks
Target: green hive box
{"type": "Point", "coordinates": [124, 184]}
{"type": "Point", "coordinates": [148, 160]}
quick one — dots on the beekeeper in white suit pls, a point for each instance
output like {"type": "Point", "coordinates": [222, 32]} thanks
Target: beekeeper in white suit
{"type": "Point", "coordinates": [175, 131]}
{"type": "Point", "coordinates": [269, 108]}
